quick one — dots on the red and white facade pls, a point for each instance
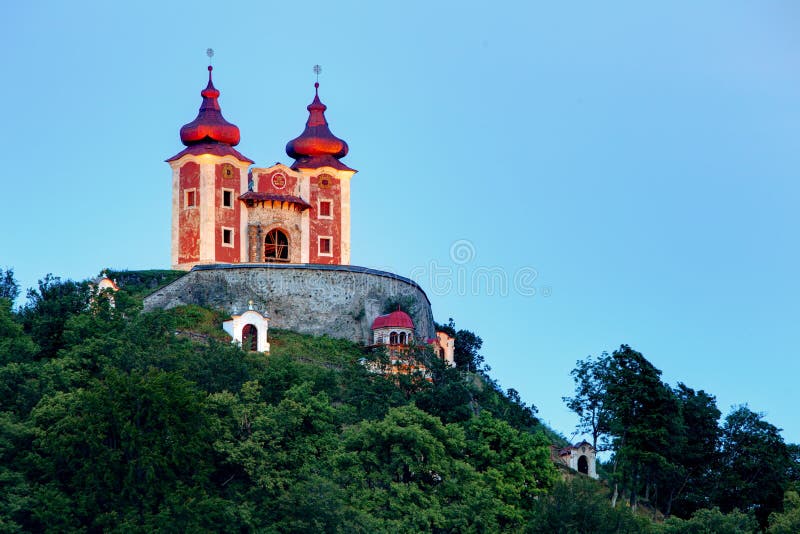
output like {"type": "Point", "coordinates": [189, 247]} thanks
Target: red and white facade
{"type": "Point", "coordinates": [224, 211]}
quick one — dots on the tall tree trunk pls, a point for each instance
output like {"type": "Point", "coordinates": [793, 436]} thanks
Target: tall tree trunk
{"type": "Point", "coordinates": [616, 484]}
{"type": "Point", "coordinates": [634, 499]}
{"type": "Point", "coordinates": [655, 501]}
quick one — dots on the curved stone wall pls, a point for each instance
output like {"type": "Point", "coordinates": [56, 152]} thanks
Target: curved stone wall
{"type": "Point", "coordinates": [337, 300]}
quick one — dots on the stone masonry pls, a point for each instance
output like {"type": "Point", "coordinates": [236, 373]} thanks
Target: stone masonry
{"type": "Point", "coordinates": [334, 300]}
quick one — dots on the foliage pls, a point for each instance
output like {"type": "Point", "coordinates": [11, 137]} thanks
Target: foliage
{"type": "Point", "coordinates": [118, 420]}
{"type": "Point", "coordinates": [712, 521]}
{"type": "Point", "coordinates": [112, 419]}
{"type": "Point", "coordinates": [590, 377]}
{"type": "Point", "coordinates": [579, 506]}
{"type": "Point", "coordinates": [669, 449]}
{"type": "Point", "coordinates": [49, 307]}
{"type": "Point", "coordinates": [467, 345]}
{"type": "Point", "coordinates": [788, 521]}
{"type": "Point", "coordinates": [755, 465]}
{"type": "Point", "coordinates": [406, 304]}
{"type": "Point", "coordinates": [9, 288]}
{"type": "Point", "coordinates": [142, 283]}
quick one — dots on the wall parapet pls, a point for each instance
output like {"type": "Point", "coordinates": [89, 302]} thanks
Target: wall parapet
{"type": "Point", "coordinates": [334, 300]}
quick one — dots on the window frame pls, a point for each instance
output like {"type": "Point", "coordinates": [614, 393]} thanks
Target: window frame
{"type": "Point", "coordinates": [186, 193]}
{"type": "Point", "coordinates": [329, 203]}
{"type": "Point", "coordinates": [224, 229]}
{"type": "Point", "coordinates": [329, 239]}
{"type": "Point", "coordinates": [222, 200]}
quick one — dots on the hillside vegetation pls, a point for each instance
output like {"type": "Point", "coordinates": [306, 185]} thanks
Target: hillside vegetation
{"type": "Point", "coordinates": [116, 420]}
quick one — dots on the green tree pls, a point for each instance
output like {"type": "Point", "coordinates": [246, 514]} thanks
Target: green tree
{"type": "Point", "coordinates": [580, 506]}
{"type": "Point", "coordinates": [696, 453]}
{"type": "Point", "coordinates": [466, 346]}
{"type": "Point", "coordinates": [404, 474]}
{"type": "Point", "coordinates": [591, 378]}
{"type": "Point", "coordinates": [516, 465]}
{"type": "Point", "coordinates": [48, 309]}
{"type": "Point", "coordinates": [15, 345]}
{"type": "Point", "coordinates": [755, 465]}
{"type": "Point", "coordinates": [9, 288]}
{"type": "Point", "coordinates": [118, 449]}
{"type": "Point", "coordinates": [787, 521]}
{"type": "Point", "coordinates": [644, 420]}
{"type": "Point", "coordinates": [712, 521]}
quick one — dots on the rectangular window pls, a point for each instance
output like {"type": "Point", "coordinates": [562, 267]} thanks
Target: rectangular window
{"type": "Point", "coordinates": [325, 248]}
{"type": "Point", "coordinates": [190, 198]}
{"type": "Point", "coordinates": [227, 198]}
{"type": "Point", "coordinates": [325, 209]}
{"type": "Point", "coordinates": [227, 237]}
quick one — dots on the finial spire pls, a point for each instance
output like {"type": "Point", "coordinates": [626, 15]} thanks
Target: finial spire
{"type": "Point", "coordinates": [317, 147]}
{"type": "Point", "coordinates": [210, 54]}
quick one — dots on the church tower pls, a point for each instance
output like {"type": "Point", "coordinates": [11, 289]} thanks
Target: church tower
{"type": "Point", "coordinates": [224, 213]}
{"type": "Point", "coordinates": [301, 213]}
{"type": "Point", "coordinates": [208, 176]}
{"type": "Point", "coordinates": [317, 153]}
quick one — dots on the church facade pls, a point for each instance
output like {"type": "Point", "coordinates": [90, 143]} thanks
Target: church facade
{"type": "Point", "coordinates": [225, 212]}
{"type": "Point", "coordinates": [278, 238]}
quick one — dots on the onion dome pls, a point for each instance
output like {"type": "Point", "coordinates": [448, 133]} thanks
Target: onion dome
{"type": "Point", "coordinates": [317, 146]}
{"type": "Point", "coordinates": [396, 319]}
{"type": "Point", "coordinates": [210, 133]}
{"type": "Point", "coordinates": [210, 125]}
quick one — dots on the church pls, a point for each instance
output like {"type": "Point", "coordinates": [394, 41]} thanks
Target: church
{"type": "Point", "coordinates": [224, 211]}
{"type": "Point", "coordinates": [271, 245]}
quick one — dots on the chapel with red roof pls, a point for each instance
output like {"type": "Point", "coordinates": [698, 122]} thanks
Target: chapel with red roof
{"type": "Point", "coordinates": [224, 211]}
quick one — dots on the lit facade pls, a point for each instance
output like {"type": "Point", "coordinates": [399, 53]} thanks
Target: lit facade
{"type": "Point", "coordinates": [224, 211]}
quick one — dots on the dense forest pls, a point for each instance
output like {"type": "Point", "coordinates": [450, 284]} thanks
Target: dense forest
{"type": "Point", "coordinates": [112, 419]}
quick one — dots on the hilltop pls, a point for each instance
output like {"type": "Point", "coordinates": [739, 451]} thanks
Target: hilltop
{"type": "Point", "coordinates": [115, 419]}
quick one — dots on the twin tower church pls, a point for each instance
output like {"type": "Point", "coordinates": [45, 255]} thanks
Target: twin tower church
{"type": "Point", "coordinates": [274, 242]}
{"type": "Point", "coordinates": [224, 211]}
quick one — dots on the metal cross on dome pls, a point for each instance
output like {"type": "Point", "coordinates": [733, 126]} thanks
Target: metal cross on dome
{"type": "Point", "coordinates": [317, 70]}
{"type": "Point", "coordinates": [210, 54]}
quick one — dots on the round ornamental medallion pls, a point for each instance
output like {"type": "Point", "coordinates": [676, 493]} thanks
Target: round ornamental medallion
{"type": "Point", "coordinates": [278, 180]}
{"type": "Point", "coordinates": [324, 180]}
{"type": "Point", "coordinates": [227, 170]}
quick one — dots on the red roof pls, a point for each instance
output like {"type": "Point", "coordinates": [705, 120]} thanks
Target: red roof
{"type": "Point", "coordinates": [209, 132]}
{"type": "Point", "coordinates": [269, 197]}
{"type": "Point", "coordinates": [317, 146]}
{"type": "Point", "coordinates": [215, 149]}
{"type": "Point", "coordinates": [210, 125]}
{"type": "Point", "coordinates": [396, 319]}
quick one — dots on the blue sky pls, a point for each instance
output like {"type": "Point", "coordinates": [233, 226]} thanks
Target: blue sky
{"type": "Point", "coordinates": [634, 167]}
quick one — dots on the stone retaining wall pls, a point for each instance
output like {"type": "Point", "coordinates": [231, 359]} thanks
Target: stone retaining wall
{"type": "Point", "coordinates": [337, 300]}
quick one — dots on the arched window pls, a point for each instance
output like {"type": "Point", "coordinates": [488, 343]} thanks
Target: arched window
{"type": "Point", "coordinates": [583, 465]}
{"type": "Point", "coordinates": [393, 338]}
{"type": "Point", "coordinates": [402, 338]}
{"type": "Point", "coordinates": [441, 354]}
{"type": "Point", "coordinates": [250, 338]}
{"type": "Point", "coordinates": [276, 246]}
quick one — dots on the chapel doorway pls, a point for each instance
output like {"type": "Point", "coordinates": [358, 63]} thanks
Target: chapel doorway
{"type": "Point", "coordinates": [583, 465]}
{"type": "Point", "coordinates": [250, 338]}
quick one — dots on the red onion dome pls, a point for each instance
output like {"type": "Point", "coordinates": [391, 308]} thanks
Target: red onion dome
{"type": "Point", "coordinates": [316, 140]}
{"type": "Point", "coordinates": [210, 126]}
{"type": "Point", "coordinates": [396, 319]}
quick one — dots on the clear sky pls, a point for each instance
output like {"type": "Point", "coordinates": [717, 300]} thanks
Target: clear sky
{"type": "Point", "coordinates": [630, 169]}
